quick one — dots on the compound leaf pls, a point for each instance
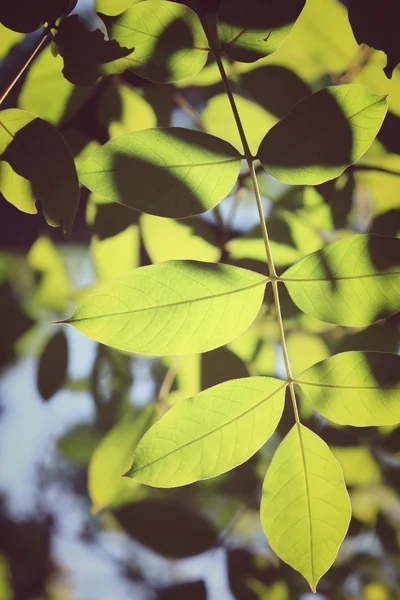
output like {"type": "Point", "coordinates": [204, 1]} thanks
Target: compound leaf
{"type": "Point", "coordinates": [175, 307]}
{"type": "Point", "coordinates": [355, 388]}
{"type": "Point", "coordinates": [210, 433]}
{"type": "Point", "coordinates": [172, 172]}
{"type": "Point", "coordinates": [350, 282]}
{"type": "Point", "coordinates": [305, 508]}
{"type": "Point", "coordinates": [323, 134]}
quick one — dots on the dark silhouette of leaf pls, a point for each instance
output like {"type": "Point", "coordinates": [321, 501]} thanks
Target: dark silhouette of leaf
{"type": "Point", "coordinates": [13, 323]}
{"type": "Point", "coordinates": [53, 365]}
{"type": "Point", "coordinates": [84, 51]}
{"type": "Point", "coordinates": [167, 527]}
{"type": "Point", "coordinates": [29, 15]}
{"type": "Point", "coordinates": [221, 365]}
{"type": "Point", "coordinates": [389, 133]}
{"type": "Point", "coordinates": [377, 25]}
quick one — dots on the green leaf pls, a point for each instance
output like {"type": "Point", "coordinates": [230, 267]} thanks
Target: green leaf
{"type": "Point", "coordinates": [114, 7]}
{"type": "Point", "coordinates": [28, 146]}
{"type": "Point", "coordinates": [54, 289]}
{"type": "Point", "coordinates": [350, 282]}
{"type": "Point", "coordinates": [323, 134]}
{"type": "Point", "coordinates": [258, 29]}
{"type": "Point", "coordinates": [210, 433]}
{"type": "Point", "coordinates": [112, 458]}
{"type": "Point", "coordinates": [355, 388]}
{"type": "Point", "coordinates": [305, 508]}
{"type": "Point", "coordinates": [53, 364]}
{"type": "Point", "coordinates": [358, 464]}
{"type": "Point", "coordinates": [176, 307]}
{"type": "Point", "coordinates": [172, 172]}
{"type": "Point", "coordinates": [168, 40]}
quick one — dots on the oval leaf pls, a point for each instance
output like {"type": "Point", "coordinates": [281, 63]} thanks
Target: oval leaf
{"type": "Point", "coordinates": [351, 282]}
{"type": "Point", "coordinates": [172, 172]}
{"type": "Point", "coordinates": [258, 29]}
{"type": "Point", "coordinates": [210, 433]}
{"type": "Point", "coordinates": [355, 388]}
{"type": "Point", "coordinates": [53, 364]}
{"type": "Point", "coordinates": [38, 165]}
{"type": "Point", "coordinates": [323, 134]}
{"type": "Point", "coordinates": [176, 307]}
{"type": "Point", "coordinates": [168, 40]}
{"type": "Point", "coordinates": [25, 16]}
{"type": "Point", "coordinates": [305, 508]}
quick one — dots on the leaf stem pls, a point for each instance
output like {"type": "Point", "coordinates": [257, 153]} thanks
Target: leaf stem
{"type": "Point", "coordinates": [250, 159]}
{"type": "Point", "coordinates": [36, 49]}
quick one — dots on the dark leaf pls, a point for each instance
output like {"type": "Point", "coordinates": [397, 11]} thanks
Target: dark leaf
{"type": "Point", "coordinates": [53, 364]}
{"type": "Point", "coordinates": [29, 15]}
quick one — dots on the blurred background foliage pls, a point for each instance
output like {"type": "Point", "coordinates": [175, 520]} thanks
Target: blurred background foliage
{"type": "Point", "coordinates": [72, 412]}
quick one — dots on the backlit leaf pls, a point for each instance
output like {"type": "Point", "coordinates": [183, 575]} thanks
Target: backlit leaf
{"type": "Point", "coordinates": [176, 307]}
{"type": "Point", "coordinates": [323, 134]}
{"type": "Point", "coordinates": [113, 7]}
{"type": "Point", "coordinates": [258, 29]}
{"type": "Point", "coordinates": [210, 433]}
{"type": "Point", "coordinates": [172, 172]}
{"type": "Point", "coordinates": [350, 282]}
{"type": "Point", "coordinates": [30, 145]}
{"type": "Point", "coordinates": [355, 388]}
{"type": "Point", "coordinates": [358, 464]}
{"type": "Point", "coordinates": [305, 508]}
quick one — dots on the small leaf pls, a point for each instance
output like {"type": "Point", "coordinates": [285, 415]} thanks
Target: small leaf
{"type": "Point", "coordinates": [26, 16]}
{"type": "Point", "coordinates": [305, 508]}
{"type": "Point", "coordinates": [258, 29]}
{"type": "Point", "coordinates": [175, 531]}
{"type": "Point", "coordinates": [172, 172]}
{"type": "Point", "coordinates": [351, 282]}
{"type": "Point", "coordinates": [168, 40]}
{"type": "Point", "coordinates": [53, 365]}
{"type": "Point", "coordinates": [210, 433]}
{"type": "Point", "coordinates": [176, 307]}
{"type": "Point", "coordinates": [323, 134]}
{"type": "Point", "coordinates": [30, 145]}
{"type": "Point", "coordinates": [355, 388]}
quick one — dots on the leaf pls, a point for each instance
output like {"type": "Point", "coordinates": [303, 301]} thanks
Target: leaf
{"type": "Point", "coordinates": [305, 508]}
{"type": "Point", "coordinates": [54, 289]}
{"type": "Point", "coordinates": [112, 458]}
{"type": "Point", "coordinates": [176, 307]}
{"type": "Point", "coordinates": [377, 25]}
{"type": "Point", "coordinates": [250, 34]}
{"type": "Point", "coordinates": [29, 145]}
{"type": "Point", "coordinates": [351, 282]}
{"type": "Point", "coordinates": [14, 323]}
{"type": "Point", "coordinates": [210, 433]}
{"type": "Point", "coordinates": [355, 388]}
{"type": "Point", "coordinates": [79, 443]}
{"type": "Point", "coordinates": [168, 40]}
{"type": "Point", "coordinates": [323, 134]}
{"type": "Point", "coordinates": [175, 531]}
{"type": "Point", "coordinates": [174, 172]}
{"type": "Point", "coordinates": [358, 464]}
{"type": "Point", "coordinates": [26, 16]}
{"type": "Point", "coordinates": [53, 365]}
{"type": "Point", "coordinates": [113, 7]}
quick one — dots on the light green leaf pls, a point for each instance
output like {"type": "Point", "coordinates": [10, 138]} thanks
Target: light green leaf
{"type": "Point", "coordinates": [305, 508]}
{"type": "Point", "coordinates": [323, 134]}
{"type": "Point", "coordinates": [352, 282]}
{"type": "Point", "coordinates": [218, 119]}
{"type": "Point", "coordinates": [113, 7]}
{"type": "Point", "coordinates": [258, 29]}
{"type": "Point", "coordinates": [210, 433]}
{"type": "Point", "coordinates": [29, 145]}
{"type": "Point", "coordinates": [172, 172]}
{"type": "Point", "coordinates": [176, 307]}
{"type": "Point", "coordinates": [168, 40]}
{"type": "Point", "coordinates": [112, 457]}
{"type": "Point", "coordinates": [358, 464]}
{"type": "Point", "coordinates": [355, 388]}
{"type": "Point", "coordinates": [168, 239]}
{"type": "Point", "coordinates": [54, 289]}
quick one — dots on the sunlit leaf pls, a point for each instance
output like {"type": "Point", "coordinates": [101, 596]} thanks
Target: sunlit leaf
{"type": "Point", "coordinates": [305, 508]}
{"type": "Point", "coordinates": [323, 134]}
{"type": "Point", "coordinates": [350, 282]}
{"type": "Point", "coordinates": [53, 365]}
{"type": "Point", "coordinates": [113, 7]}
{"type": "Point", "coordinates": [355, 388]}
{"type": "Point", "coordinates": [247, 35]}
{"type": "Point", "coordinates": [176, 307]}
{"type": "Point", "coordinates": [168, 239]}
{"type": "Point", "coordinates": [29, 145]}
{"type": "Point", "coordinates": [210, 433]}
{"type": "Point", "coordinates": [171, 172]}
{"type": "Point", "coordinates": [53, 290]}
{"type": "Point", "coordinates": [358, 464]}
{"type": "Point", "coordinates": [112, 458]}
{"type": "Point", "coordinates": [305, 350]}
{"type": "Point", "coordinates": [168, 40]}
